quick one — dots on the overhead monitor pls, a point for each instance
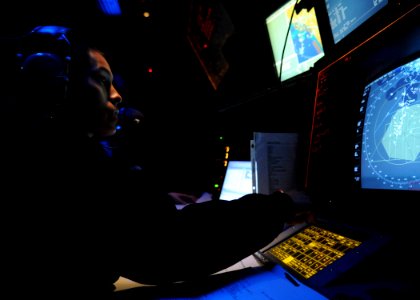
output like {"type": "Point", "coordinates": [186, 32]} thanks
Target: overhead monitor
{"type": "Point", "coordinates": [295, 40]}
{"type": "Point", "coordinates": [347, 15]}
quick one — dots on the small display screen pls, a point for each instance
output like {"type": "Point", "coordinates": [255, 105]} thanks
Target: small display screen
{"type": "Point", "coordinates": [296, 50]}
{"type": "Point", "coordinates": [312, 249]}
{"type": "Point", "coordinates": [346, 15]}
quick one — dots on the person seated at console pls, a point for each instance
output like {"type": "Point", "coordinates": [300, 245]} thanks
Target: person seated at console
{"type": "Point", "coordinates": [80, 218]}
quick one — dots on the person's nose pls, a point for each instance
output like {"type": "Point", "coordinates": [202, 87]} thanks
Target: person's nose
{"type": "Point", "coordinates": [115, 97]}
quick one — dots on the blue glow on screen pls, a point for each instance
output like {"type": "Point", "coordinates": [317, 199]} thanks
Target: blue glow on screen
{"type": "Point", "coordinates": [110, 7]}
{"type": "Point", "coordinates": [391, 130]}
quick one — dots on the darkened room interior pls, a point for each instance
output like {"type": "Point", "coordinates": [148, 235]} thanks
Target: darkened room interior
{"type": "Point", "coordinates": [188, 115]}
{"type": "Point", "coordinates": [197, 100]}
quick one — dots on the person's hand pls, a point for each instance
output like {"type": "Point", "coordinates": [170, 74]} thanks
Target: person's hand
{"type": "Point", "coordinates": [302, 208]}
{"type": "Point", "coordinates": [181, 198]}
{"type": "Point", "coordinates": [301, 216]}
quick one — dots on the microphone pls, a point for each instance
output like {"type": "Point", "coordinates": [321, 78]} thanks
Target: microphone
{"type": "Point", "coordinates": [130, 117]}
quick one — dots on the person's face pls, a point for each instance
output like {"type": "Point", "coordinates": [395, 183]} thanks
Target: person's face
{"type": "Point", "coordinates": [102, 96]}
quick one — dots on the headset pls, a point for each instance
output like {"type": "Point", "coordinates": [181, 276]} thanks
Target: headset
{"type": "Point", "coordinates": [44, 56]}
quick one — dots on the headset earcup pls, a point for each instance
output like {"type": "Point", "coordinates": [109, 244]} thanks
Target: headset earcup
{"type": "Point", "coordinates": [45, 75]}
{"type": "Point", "coordinates": [46, 65]}
{"type": "Point", "coordinates": [44, 56]}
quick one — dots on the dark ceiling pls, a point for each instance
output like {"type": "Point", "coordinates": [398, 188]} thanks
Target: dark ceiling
{"type": "Point", "coordinates": [161, 41]}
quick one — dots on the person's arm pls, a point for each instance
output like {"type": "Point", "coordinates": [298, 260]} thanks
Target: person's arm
{"type": "Point", "coordinates": [204, 238]}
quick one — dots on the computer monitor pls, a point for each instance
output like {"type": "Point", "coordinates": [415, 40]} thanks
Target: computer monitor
{"type": "Point", "coordinates": [347, 15]}
{"type": "Point", "coordinates": [374, 71]}
{"type": "Point", "coordinates": [237, 181]}
{"type": "Point", "coordinates": [295, 40]}
{"type": "Point", "coordinates": [387, 148]}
